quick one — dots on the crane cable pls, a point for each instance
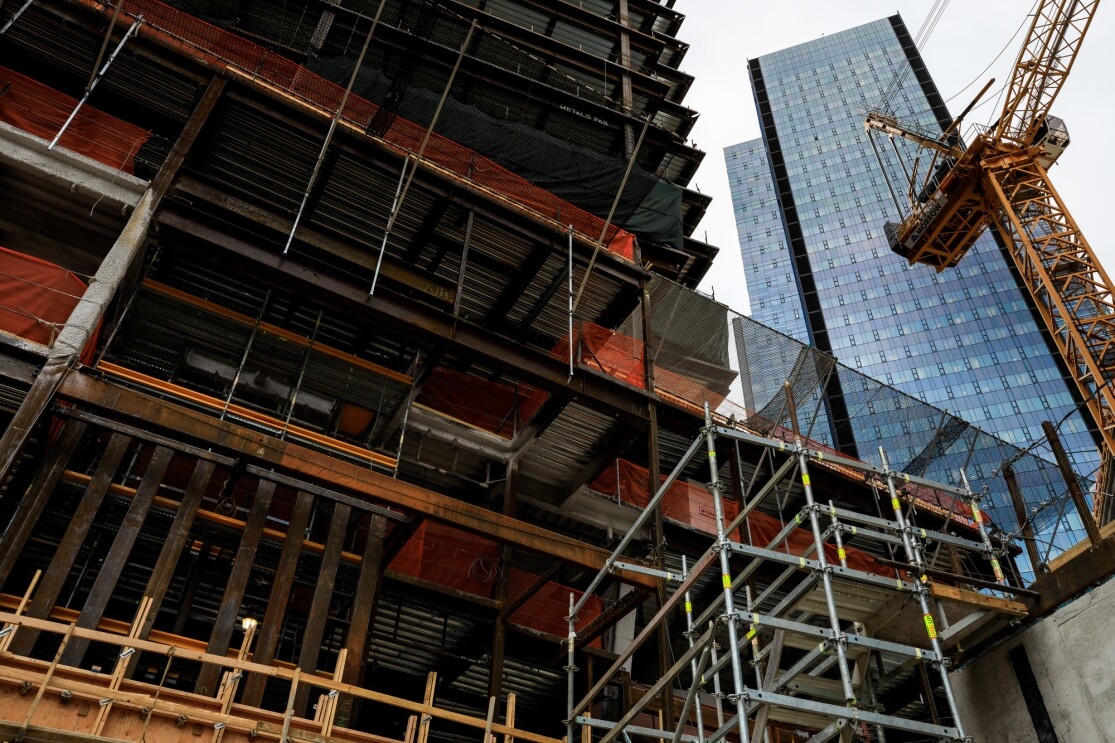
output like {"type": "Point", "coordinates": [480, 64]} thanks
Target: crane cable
{"type": "Point", "coordinates": [923, 34]}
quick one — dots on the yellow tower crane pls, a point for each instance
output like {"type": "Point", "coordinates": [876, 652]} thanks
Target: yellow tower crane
{"type": "Point", "coordinates": [1001, 177]}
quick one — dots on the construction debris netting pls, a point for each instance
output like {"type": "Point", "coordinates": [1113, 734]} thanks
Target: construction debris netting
{"type": "Point", "coordinates": [250, 61]}
{"type": "Point", "coordinates": [740, 368]}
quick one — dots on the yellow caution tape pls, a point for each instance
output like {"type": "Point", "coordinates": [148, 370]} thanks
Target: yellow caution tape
{"type": "Point", "coordinates": [755, 619]}
{"type": "Point", "coordinates": [805, 479]}
{"type": "Point", "coordinates": [750, 633]}
{"type": "Point", "coordinates": [821, 648]}
{"type": "Point", "coordinates": [688, 607]}
{"type": "Point", "coordinates": [917, 653]}
{"type": "Point", "coordinates": [997, 570]}
{"type": "Point", "coordinates": [855, 530]}
{"type": "Point", "coordinates": [727, 580]}
{"type": "Point", "coordinates": [976, 514]}
{"type": "Point", "coordinates": [798, 518]}
{"type": "Point", "coordinates": [801, 561]}
{"type": "Point", "coordinates": [841, 553]}
{"type": "Point", "coordinates": [896, 504]}
{"type": "Point", "coordinates": [820, 456]}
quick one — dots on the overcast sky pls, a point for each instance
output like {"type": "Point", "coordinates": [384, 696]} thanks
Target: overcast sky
{"type": "Point", "coordinates": [724, 34]}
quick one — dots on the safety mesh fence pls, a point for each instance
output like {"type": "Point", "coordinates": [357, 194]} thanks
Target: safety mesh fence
{"type": "Point", "coordinates": [502, 125]}
{"type": "Point", "coordinates": [707, 353]}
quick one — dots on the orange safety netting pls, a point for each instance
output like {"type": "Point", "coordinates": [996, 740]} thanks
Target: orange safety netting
{"type": "Point", "coordinates": [37, 297]}
{"type": "Point", "coordinates": [500, 408]}
{"type": "Point", "coordinates": [547, 609]}
{"type": "Point", "coordinates": [693, 505]}
{"type": "Point", "coordinates": [621, 356]}
{"type": "Point", "coordinates": [457, 559]}
{"type": "Point", "coordinates": [225, 50]}
{"type": "Point", "coordinates": [40, 110]}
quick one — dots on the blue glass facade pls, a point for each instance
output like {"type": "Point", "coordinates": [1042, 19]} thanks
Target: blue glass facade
{"type": "Point", "coordinates": [810, 201]}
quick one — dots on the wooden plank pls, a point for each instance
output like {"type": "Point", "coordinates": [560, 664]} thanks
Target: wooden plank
{"type": "Point", "coordinates": [118, 553]}
{"type": "Point", "coordinates": [271, 626]}
{"type": "Point", "coordinates": [59, 569]}
{"type": "Point", "coordinates": [38, 493]}
{"type": "Point", "coordinates": [982, 601]}
{"type": "Point", "coordinates": [323, 598]}
{"type": "Point", "coordinates": [319, 467]}
{"type": "Point", "coordinates": [225, 623]}
{"type": "Point", "coordinates": [427, 701]}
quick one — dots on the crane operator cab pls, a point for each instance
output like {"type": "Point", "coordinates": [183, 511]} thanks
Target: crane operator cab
{"type": "Point", "coordinates": [1053, 137]}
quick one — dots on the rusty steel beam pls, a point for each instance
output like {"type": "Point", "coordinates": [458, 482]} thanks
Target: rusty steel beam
{"type": "Point", "coordinates": [315, 466]}
{"type": "Point", "coordinates": [368, 587]}
{"type": "Point", "coordinates": [117, 557]}
{"type": "Point", "coordinates": [314, 630]}
{"type": "Point", "coordinates": [38, 493]}
{"type": "Point", "coordinates": [271, 626]}
{"type": "Point", "coordinates": [225, 622]}
{"type": "Point", "coordinates": [64, 556]}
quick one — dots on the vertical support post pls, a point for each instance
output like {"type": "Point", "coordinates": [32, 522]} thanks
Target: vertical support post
{"type": "Point", "coordinates": [117, 556]}
{"type": "Point", "coordinates": [279, 597]}
{"type": "Point", "coordinates": [1023, 521]}
{"type": "Point", "coordinates": [1075, 492]}
{"type": "Point", "coordinates": [690, 635]}
{"type": "Point", "coordinates": [237, 582]}
{"type": "Point", "coordinates": [717, 693]}
{"type": "Point", "coordinates": [913, 555]}
{"type": "Point", "coordinates": [323, 597]}
{"type": "Point", "coordinates": [428, 700]}
{"type": "Point", "coordinates": [570, 669]}
{"type": "Point", "coordinates": [38, 493]}
{"type": "Point", "coordinates": [723, 548]}
{"type": "Point", "coordinates": [458, 297]}
{"type": "Point", "coordinates": [509, 717]}
{"type": "Point", "coordinates": [9, 629]}
{"type": "Point", "coordinates": [570, 290]}
{"type": "Point", "coordinates": [499, 626]}
{"type": "Point", "coordinates": [988, 549]}
{"type": "Point", "coordinates": [121, 668]}
{"type": "Point", "coordinates": [59, 569]}
{"type": "Point", "coordinates": [284, 737]}
{"type": "Point", "coordinates": [839, 641]}
{"type": "Point", "coordinates": [368, 586]}
{"type": "Point", "coordinates": [45, 683]}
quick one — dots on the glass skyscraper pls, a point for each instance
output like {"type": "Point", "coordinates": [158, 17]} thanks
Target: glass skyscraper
{"type": "Point", "coordinates": [810, 200]}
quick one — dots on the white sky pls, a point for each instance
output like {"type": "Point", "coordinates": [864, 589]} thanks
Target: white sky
{"type": "Point", "coordinates": [724, 34]}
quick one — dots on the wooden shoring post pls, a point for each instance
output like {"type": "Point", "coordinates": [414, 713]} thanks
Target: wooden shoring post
{"type": "Point", "coordinates": [225, 622]}
{"type": "Point", "coordinates": [38, 493]}
{"type": "Point", "coordinates": [492, 702]}
{"type": "Point", "coordinates": [1023, 520]}
{"type": "Point", "coordinates": [45, 683]}
{"type": "Point", "coordinates": [272, 623]}
{"type": "Point", "coordinates": [118, 553]}
{"type": "Point", "coordinates": [428, 700]}
{"type": "Point", "coordinates": [327, 707]}
{"type": "Point", "coordinates": [288, 712]}
{"type": "Point", "coordinates": [64, 556]}
{"type": "Point", "coordinates": [121, 667]}
{"type": "Point", "coordinates": [509, 717]}
{"type": "Point", "coordinates": [1075, 492]}
{"type": "Point", "coordinates": [9, 629]}
{"type": "Point", "coordinates": [412, 724]}
{"type": "Point", "coordinates": [499, 624]}
{"type": "Point", "coordinates": [323, 598]}
{"type": "Point", "coordinates": [110, 275]}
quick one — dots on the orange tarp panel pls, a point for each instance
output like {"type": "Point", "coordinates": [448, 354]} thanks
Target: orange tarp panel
{"type": "Point", "coordinates": [500, 408]}
{"type": "Point", "coordinates": [37, 297]}
{"type": "Point", "coordinates": [546, 610]}
{"type": "Point", "coordinates": [40, 110]}
{"type": "Point", "coordinates": [693, 505]}
{"type": "Point", "coordinates": [450, 557]}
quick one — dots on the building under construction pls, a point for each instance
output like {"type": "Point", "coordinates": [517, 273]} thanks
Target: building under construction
{"type": "Point", "coordinates": [354, 389]}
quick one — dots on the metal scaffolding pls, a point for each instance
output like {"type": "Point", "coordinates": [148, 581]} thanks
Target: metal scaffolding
{"type": "Point", "coordinates": [808, 602]}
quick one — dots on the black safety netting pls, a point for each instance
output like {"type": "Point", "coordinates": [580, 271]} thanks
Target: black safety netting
{"type": "Point", "coordinates": [542, 119]}
{"type": "Point", "coordinates": [740, 368]}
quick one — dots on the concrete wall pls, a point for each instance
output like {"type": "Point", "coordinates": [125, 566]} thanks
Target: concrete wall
{"type": "Point", "coordinates": [1072, 654]}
